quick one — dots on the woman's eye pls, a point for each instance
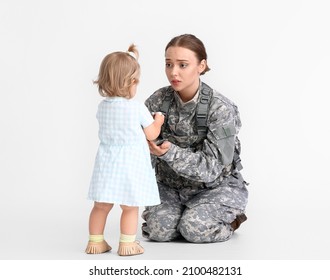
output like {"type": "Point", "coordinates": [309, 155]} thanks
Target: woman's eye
{"type": "Point", "coordinates": [183, 65]}
{"type": "Point", "coordinates": [168, 65]}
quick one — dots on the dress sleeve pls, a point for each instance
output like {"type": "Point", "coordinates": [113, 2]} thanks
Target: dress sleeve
{"type": "Point", "coordinates": [146, 118]}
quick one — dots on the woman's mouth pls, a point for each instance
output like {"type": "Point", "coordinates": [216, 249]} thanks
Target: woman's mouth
{"type": "Point", "coordinates": [175, 82]}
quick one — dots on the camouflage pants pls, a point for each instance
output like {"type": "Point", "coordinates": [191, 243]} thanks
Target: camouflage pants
{"type": "Point", "coordinates": [197, 217]}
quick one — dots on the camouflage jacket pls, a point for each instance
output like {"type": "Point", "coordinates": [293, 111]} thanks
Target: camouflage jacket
{"type": "Point", "coordinates": [192, 160]}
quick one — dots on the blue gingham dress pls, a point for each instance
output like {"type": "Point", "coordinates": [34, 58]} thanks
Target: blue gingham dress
{"type": "Point", "coordinates": [122, 172]}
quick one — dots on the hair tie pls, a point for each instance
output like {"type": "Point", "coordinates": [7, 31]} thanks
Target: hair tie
{"type": "Point", "coordinates": [132, 54]}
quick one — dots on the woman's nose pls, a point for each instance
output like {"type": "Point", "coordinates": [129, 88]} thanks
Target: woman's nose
{"type": "Point", "coordinates": [174, 71]}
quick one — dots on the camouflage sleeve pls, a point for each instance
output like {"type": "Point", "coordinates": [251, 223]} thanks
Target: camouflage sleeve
{"type": "Point", "coordinates": [206, 164]}
{"type": "Point", "coordinates": [154, 102]}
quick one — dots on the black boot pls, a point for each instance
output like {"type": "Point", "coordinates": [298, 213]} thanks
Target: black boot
{"type": "Point", "coordinates": [237, 222]}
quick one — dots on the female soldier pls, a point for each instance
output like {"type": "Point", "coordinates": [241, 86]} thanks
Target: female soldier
{"type": "Point", "coordinates": [203, 195]}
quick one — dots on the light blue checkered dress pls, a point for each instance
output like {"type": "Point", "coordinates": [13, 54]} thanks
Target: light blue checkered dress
{"type": "Point", "coordinates": [122, 172]}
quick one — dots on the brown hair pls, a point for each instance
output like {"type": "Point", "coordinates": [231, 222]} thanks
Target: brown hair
{"type": "Point", "coordinates": [118, 72]}
{"type": "Point", "coordinates": [192, 43]}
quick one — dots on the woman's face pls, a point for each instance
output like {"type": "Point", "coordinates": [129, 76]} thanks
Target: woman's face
{"type": "Point", "coordinates": [183, 70]}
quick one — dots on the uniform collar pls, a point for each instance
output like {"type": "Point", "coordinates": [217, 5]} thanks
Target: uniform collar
{"type": "Point", "coordinates": [194, 100]}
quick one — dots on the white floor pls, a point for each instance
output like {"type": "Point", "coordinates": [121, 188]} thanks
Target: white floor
{"type": "Point", "coordinates": [270, 233]}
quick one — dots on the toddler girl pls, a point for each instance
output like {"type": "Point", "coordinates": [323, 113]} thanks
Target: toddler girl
{"type": "Point", "coordinates": [122, 171]}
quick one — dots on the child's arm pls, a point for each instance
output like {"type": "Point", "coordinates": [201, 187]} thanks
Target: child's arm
{"type": "Point", "coordinates": [152, 131]}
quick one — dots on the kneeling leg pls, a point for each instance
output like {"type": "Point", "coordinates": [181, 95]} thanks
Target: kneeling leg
{"type": "Point", "coordinates": [161, 222]}
{"type": "Point", "coordinates": [207, 223]}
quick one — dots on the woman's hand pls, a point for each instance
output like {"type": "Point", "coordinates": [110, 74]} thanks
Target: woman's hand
{"type": "Point", "coordinates": [159, 150]}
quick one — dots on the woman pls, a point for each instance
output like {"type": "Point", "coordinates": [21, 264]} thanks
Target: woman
{"type": "Point", "coordinates": [203, 195]}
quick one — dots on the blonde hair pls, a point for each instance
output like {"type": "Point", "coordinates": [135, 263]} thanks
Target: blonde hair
{"type": "Point", "coordinates": [118, 72]}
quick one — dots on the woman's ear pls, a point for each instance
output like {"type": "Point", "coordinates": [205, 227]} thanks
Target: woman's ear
{"type": "Point", "coordinates": [202, 66]}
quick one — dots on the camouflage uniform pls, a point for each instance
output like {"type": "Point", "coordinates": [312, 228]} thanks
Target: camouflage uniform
{"type": "Point", "coordinates": [201, 192]}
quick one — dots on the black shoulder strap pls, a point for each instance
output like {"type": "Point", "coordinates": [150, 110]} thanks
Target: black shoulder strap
{"type": "Point", "coordinates": [203, 109]}
{"type": "Point", "coordinates": [165, 107]}
{"type": "Point", "coordinates": [166, 102]}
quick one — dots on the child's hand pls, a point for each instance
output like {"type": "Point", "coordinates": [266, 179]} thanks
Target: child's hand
{"type": "Point", "coordinates": [159, 117]}
{"type": "Point", "coordinates": [152, 131]}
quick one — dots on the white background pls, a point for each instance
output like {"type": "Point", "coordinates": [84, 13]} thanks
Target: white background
{"type": "Point", "coordinates": [270, 57]}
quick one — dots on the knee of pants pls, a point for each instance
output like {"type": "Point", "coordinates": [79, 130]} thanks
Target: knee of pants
{"type": "Point", "coordinates": [161, 223]}
{"type": "Point", "coordinates": [197, 226]}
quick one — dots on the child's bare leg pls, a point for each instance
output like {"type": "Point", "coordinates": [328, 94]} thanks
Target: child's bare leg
{"type": "Point", "coordinates": [129, 219]}
{"type": "Point", "coordinates": [97, 221]}
{"type": "Point", "coordinates": [98, 217]}
{"type": "Point", "coordinates": [128, 227]}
